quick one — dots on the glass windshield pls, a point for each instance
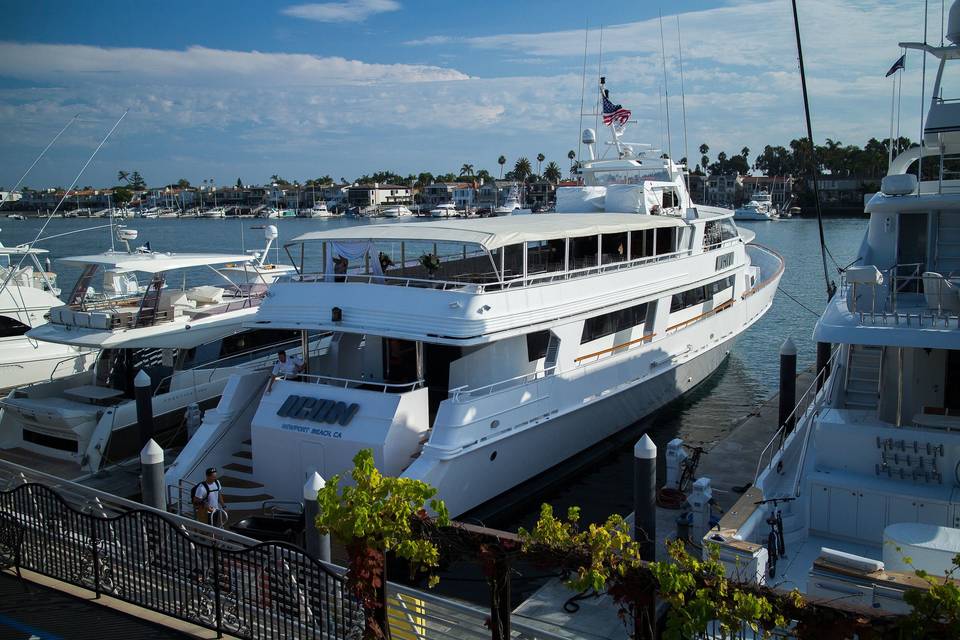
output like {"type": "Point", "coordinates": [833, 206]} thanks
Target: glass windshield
{"type": "Point", "coordinates": [626, 176]}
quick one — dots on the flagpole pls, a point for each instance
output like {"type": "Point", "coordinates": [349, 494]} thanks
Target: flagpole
{"type": "Point", "coordinates": [893, 94]}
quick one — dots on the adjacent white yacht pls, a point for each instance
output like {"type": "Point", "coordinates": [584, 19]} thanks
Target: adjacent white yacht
{"type": "Point", "coordinates": [760, 207]}
{"type": "Point", "coordinates": [445, 210]}
{"type": "Point", "coordinates": [27, 293]}
{"type": "Point", "coordinates": [511, 205]}
{"type": "Point", "coordinates": [318, 210]}
{"type": "Point", "coordinates": [870, 475]}
{"type": "Point", "coordinates": [188, 336]}
{"type": "Point", "coordinates": [482, 352]}
{"type": "Point", "coordinates": [215, 212]}
{"type": "Point", "coordinates": [397, 211]}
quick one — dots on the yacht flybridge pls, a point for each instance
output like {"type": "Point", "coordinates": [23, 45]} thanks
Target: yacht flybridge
{"type": "Point", "coordinates": [475, 354]}
{"type": "Point", "coordinates": [188, 336]}
{"type": "Point", "coordinates": [870, 475]}
{"type": "Point", "coordinates": [27, 293]}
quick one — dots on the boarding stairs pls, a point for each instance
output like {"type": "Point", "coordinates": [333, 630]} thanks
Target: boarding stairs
{"type": "Point", "coordinates": [947, 257]}
{"type": "Point", "coordinates": [863, 377]}
{"type": "Point", "coordinates": [150, 304]}
{"type": "Point", "coordinates": [240, 490]}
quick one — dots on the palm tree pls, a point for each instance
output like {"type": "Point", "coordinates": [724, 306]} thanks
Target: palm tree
{"type": "Point", "coordinates": [123, 176]}
{"type": "Point", "coordinates": [522, 169]}
{"type": "Point", "coordinates": [502, 160]}
{"type": "Point", "coordinates": [540, 159]}
{"type": "Point", "coordinates": [466, 170]}
{"type": "Point", "coordinates": [704, 159]}
{"type": "Point", "coordinates": [552, 172]}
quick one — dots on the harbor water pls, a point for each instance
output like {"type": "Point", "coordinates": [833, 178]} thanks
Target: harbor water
{"type": "Point", "coordinates": [601, 480]}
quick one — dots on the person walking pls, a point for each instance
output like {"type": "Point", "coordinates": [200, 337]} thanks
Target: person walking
{"type": "Point", "coordinates": [208, 496]}
{"type": "Point", "coordinates": [285, 367]}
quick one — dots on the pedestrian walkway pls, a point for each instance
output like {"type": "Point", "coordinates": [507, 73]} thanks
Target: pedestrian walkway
{"type": "Point", "coordinates": [46, 614]}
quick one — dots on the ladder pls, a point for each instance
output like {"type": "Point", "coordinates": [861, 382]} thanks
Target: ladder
{"type": "Point", "coordinates": [150, 304]}
{"type": "Point", "coordinates": [863, 377]}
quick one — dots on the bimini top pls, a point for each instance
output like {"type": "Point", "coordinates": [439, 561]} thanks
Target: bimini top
{"type": "Point", "coordinates": [154, 262]}
{"type": "Point", "coordinates": [493, 233]}
{"type": "Point", "coordinates": [21, 250]}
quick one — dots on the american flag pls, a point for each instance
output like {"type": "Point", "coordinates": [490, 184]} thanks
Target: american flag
{"type": "Point", "coordinates": [614, 113]}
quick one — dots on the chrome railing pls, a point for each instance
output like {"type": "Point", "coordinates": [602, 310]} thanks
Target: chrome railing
{"type": "Point", "coordinates": [905, 296]}
{"type": "Point", "coordinates": [348, 383]}
{"type": "Point", "coordinates": [465, 391]}
{"type": "Point", "coordinates": [806, 408]}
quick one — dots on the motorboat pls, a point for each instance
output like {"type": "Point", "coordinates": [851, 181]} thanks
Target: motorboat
{"type": "Point", "coordinates": [760, 207]}
{"type": "Point", "coordinates": [444, 210]}
{"type": "Point", "coordinates": [318, 210]}
{"type": "Point", "coordinates": [511, 205]}
{"type": "Point", "coordinates": [471, 353]}
{"type": "Point", "coordinates": [27, 293]}
{"type": "Point", "coordinates": [397, 211]}
{"type": "Point", "coordinates": [186, 334]}
{"type": "Point", "coordinates": [215, 212]}
{"type": "Point", "coordinates": [858, 490]}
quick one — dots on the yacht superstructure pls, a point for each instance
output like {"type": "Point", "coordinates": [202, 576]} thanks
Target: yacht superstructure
{"type": "Point", "coordinates": [27, 293]}
{"type": "Point", "coordinates": [474, 354]}
{"type": "Point", "coordinates": [188, 337]}
{"type": "Point", "coordinates": [870, 474]}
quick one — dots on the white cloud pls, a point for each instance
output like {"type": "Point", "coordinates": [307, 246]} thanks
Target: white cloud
{"type": "Point", "coordinates": [251, 69]}
{"type": "Point", "coordinates": [429, 40]}
{"type": "Point", "coordinates": [349, 11]}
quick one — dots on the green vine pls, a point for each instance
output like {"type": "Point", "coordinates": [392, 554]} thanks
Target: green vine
{"type": "Point", "coordinates": [374, 516]}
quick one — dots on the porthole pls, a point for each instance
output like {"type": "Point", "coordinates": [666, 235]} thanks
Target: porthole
{"type": "Point", "coordinates": [494, 424]}
{"type": "Point", "coordinates": [493, 456]}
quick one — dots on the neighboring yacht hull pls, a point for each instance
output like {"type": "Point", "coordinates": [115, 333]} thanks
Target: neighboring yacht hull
{"type": "Point", "coordinates": [25, 361]}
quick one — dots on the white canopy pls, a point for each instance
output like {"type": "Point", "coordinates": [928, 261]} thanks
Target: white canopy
{"type": "Point", "coordinates": [21, 251]}
{"type": "Point", "coordinates": [154, 262]}
{"type": "Point", "coordinates": [493, 233]}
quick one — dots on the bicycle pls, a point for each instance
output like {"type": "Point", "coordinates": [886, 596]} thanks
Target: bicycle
{"type": "Point", "coordinates": [689, 471]}
{"type": "Point", "coordinates": [776, 546]}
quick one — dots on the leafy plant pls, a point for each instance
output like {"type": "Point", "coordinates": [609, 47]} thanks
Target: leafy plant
{"type": "Point", "coordinates": [430, 262]}
{"type": "Point", "coordinates": [936, 609]}
{"type": "Point", "coordinates": [374, 516]}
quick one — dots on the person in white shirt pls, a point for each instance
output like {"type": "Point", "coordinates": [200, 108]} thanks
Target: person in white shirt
{"type": "Point", "coordinates": [207, 496]}
{"type": "Point", "coordinates": [286, 367]}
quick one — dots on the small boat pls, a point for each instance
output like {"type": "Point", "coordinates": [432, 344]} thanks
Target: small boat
{"type": "Point", "coordinates": [760, 207]}
{"type": "Point", "coordinates": [15, 216]}
{"type": "Point", "coordinates": [398, 211]}
{"type": "Point", "coordinates": [216, 212]}
{"type": "Point", "coordinates": [445, 210]}
{"type": "Point", "coordinates": [318, 210]}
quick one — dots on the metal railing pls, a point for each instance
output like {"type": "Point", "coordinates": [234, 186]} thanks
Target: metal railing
{"type": "Point", "coordinates": [348, 383]}
{"type": "Point", "coordinates": [807, 407]}
{"type": "Point", "coordinates": [910, 298]}
{"type": "Point", "coordinates": [270, 590]}
{"type": "Point", "coordinates": [459, 393]}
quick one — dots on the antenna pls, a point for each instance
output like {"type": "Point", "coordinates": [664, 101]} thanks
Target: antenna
{"type": "Point", "coordinates": [583, 86]}
{"type": "Point", "coordinates": [42, 153]}
{"type": "Point", "coordinates": [666, 97]}
{"type": "Point", "coordinates": [923, 99]}
{"type": "Point", "coordinates": [683, 103]}
{"type": "Point", "coordinates": [599, 86]}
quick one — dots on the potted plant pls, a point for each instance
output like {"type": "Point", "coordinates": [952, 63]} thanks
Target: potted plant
{"type": "Point", "coordinates": [430, 262]}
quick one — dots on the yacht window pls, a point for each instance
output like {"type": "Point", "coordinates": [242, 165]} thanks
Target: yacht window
{"type": "Point", "coordinates": [670, 199]}
{"type": "Point", "coordinates": [666, 241]}
{"type": "Point", "coordinates": [613, 247]}
{"type": "Point", "coordinates": [545, 256]}
{"type": "Point", "coordinates": [583, 252]}
{"type": "Point", "coordinates": [537, 345]}
{"type": "Point", "coordinates": [249, 342]}
{"type": "Point", "coordinates": [10, 328]}
{"type": "Point", "coordinates": [513, 261]}
{"type": "Point", "coordinates": [642, 244]}
{"type": "Point", "coordinates": [712, 235]}
{"type": "Point", "coordinates": [613, 322]}
{"type": "Point", "coordinates": [699, 295]}
{"type": "Point", "coordinates": [728, 230]}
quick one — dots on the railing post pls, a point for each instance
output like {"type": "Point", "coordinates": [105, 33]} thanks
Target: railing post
{"type": "Point", "coordinates": [500, 597]}
{"type": "Point", "coordinates": [218, 604]}
{"type": "Point", "coordinates": [144, 403]}
{"type": "Point", "coordinates": [95, 555]}
{"type": "Point", "coordinates": [644, 497]}
{"type": "Point", "coordinates": [316, 544]}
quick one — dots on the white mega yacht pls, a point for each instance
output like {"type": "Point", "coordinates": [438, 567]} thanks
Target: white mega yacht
{"type": "Point", "coordinates": [188, 337]}
{"type": "Point", "coordinates": [490, 350]}
{"type": "Point", "coordinates": [27, 293]}
{"type": "Point", "coordinates": [870, 475]}
{"type": "Point", "coordinates": [318, 210]}
{"type": "Point", "coordinates": [760, 207]}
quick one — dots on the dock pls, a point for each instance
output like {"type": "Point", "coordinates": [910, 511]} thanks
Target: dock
{"type": "Point", "coordinates": [730, 465]}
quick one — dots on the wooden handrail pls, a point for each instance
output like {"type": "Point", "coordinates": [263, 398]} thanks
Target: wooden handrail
{"type": "Point", "coordinates": [725, 305]}
{"type": "Point", "coordinates": [643, 338]}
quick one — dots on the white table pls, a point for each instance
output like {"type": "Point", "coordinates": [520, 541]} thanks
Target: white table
{"type": "Point", "coordinates": [92, 393]}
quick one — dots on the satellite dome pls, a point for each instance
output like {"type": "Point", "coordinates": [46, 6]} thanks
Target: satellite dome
{"type": "Point", "coordinates": [127, 234]}
{"type": "Point", "coordinates": [590, 136]}
{"type": "Point", "coordinates": [953, 24]}
{"type": "Point", "coordinates": [270, 232]}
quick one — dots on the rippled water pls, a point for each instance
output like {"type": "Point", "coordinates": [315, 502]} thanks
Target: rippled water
{"type": "Point", "coordinates": [604, 485]}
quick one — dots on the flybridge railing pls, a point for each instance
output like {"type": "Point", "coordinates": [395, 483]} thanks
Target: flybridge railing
{"type": "Point", "coordinates": [460, 393]}
{"type": "Point", "coordinates": [906, 297]}
{"type": "Point", "coordinates": [800, 418]}
{"type": "Point", "coordinates": [355, 383]}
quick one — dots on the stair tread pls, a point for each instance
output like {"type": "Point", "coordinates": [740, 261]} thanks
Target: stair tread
{"type": "Point", "coordinates": [239, 483]}
{"type": "Point", "coordinates": [248, 442]}
{"type": "Point", "coordinates": [236, 466]}
{"type": "Point", "coordinates": [243, 454]}
{"type": "Point", "coordinates": [233, 499]}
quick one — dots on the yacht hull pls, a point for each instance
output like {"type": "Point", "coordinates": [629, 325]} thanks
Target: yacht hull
{"type": "Point", "coordinates": [468, 480]}
{"type": "Point", "coordinates": [24, 361]}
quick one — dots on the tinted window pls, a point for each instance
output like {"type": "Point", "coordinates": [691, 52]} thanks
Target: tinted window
{"type": "Point", "coordinates": [613, 322]}
{"type": "Point", "coordinates": [537, 345]}
{"type": "Point", "coordinates": [699, 295]}
{"type": "Point", "coordinates": [10, 328]}
{"type": "Point", "coordinates": [666, 240]}
{"type": "Point", "coordinates": [712, 235]}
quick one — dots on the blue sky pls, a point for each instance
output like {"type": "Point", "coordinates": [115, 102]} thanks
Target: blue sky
{"type": "Point", "coordinates": [246, 89]}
